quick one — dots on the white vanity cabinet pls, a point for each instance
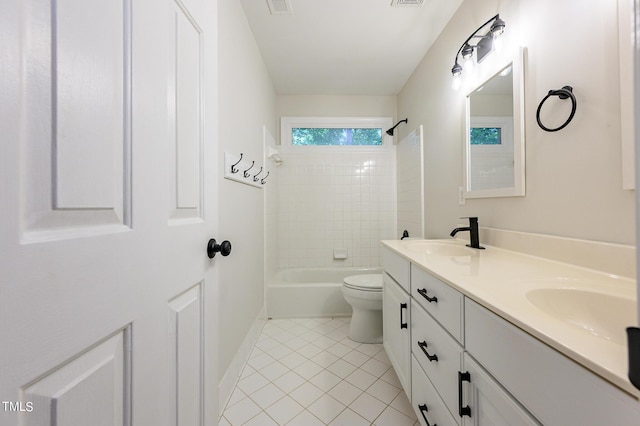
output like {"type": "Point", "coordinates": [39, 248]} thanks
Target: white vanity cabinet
{"type": "Point", "coordinates": [424, 331]}
{"type": "Point", "coordinates": [396, 311]}
{"type": "Point", "coordinates": [470, 361]}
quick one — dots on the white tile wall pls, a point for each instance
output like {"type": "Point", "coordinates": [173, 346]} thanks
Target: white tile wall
{"type": "Point", "coordinates": [333, 200]}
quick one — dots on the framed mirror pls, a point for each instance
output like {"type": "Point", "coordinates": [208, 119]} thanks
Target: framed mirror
{"type": "Point", "coordinates": [494, 154]}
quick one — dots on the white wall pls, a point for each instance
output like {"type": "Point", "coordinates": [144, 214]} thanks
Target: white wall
{"type": "Point", "coordinates": [573, 177]}
{"type": "Point", "coordinates": [247, 102]}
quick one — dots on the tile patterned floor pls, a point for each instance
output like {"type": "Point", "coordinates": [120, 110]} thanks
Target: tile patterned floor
{"type": "Point", "coordinates": [307, 372]}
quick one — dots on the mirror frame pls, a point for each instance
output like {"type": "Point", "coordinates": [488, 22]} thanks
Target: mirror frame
{"type": "Point", "coordinates": [517, 62]}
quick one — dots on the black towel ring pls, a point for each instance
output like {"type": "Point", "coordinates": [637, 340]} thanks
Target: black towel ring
{"type": "Point", "coordinates": [564, 93]}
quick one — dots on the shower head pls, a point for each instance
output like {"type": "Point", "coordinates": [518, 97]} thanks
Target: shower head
{"type": "Point", "coordinates": [390, 131]}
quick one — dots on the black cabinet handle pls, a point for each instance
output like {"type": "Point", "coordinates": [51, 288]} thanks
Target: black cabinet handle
{"type": "Point", "coordinates": [402, 323]}
{"type": "Point", "coordinates": [463, 410]}
{"type": "Point", "coordinates": [423, 346]}
{"type": "Point", "coordinates": [423, 293]}
{"type": "Point", "coordinates": [423, 411]}
{"type": "Point", "coordinates": [213, 247]}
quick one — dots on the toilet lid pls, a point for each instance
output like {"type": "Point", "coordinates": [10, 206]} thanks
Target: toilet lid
{"type": "Point", "coordinates": [370, 282]}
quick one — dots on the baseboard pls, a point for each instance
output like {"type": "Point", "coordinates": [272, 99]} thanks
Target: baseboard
{"type": "Point", "coordinates": [231, 376]}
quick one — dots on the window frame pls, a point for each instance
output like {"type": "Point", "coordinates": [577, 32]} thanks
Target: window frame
{"type": "Point", "coordinates": [287, 124]}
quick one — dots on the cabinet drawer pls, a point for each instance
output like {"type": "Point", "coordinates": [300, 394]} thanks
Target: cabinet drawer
{"type": "Point", "coordinates": [437, 352]}
{"type": "Point", "coordinates": [397, 267]}
{"type": "Point", "coordinates": [440, 300]}
{"type": "Point", "coordinates": [426, 402]}
{"type": "Point", "coordinates": [552, 387]}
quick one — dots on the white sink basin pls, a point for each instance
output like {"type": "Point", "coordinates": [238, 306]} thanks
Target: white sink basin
{"type": "Point", "coordinates": [439, 248]}
{"type": "Point", "coordinates": [600, 314]}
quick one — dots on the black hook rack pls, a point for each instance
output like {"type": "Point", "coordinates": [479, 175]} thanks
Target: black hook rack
{"type": "Point", "coordinates": [233, 166]}
{"type": "Point", "coordinates": [565, 93]}
{"type": "Point", "coordinates": [250, 175]}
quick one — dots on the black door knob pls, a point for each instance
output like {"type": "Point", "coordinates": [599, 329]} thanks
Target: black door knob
{"type": "Point", "coordinates": [213, 247]}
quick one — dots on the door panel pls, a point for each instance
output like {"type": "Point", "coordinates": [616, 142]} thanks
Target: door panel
{"type": "Point", "coordinates": [76, 141]}
{"type": "Point", "coordinates": [92, 388]}
{"type": "Point", "coordinates": [88, 58]}
{"type": "Point", "coordinates": [185, 331]}
{"type": "Point", "coordinates": [186, 119]}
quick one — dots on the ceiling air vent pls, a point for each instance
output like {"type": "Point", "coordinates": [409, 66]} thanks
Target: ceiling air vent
{"type": "Point", "coordinates": [280, 7]}
{"type": "Point", "coordinates": [407, 2]}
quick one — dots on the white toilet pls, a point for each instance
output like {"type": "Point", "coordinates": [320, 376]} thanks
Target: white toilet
{"type": "Point", "coordinates": [364, 294]}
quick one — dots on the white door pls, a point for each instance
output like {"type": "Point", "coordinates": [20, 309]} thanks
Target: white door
{"type": "Point", "coordinates": [107, 188]}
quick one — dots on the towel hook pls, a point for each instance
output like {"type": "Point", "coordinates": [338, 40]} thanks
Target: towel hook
{"type": "Point", "coordinates": [255, 177]}
{"type": "Point", "coordinates": [233, 166]}
{"type": "Point", "coordinates": [564, 93]}
{"type": "Point", "coordinates": [264, 179]}
{"type": "Point", "coordinates": [245, 172]}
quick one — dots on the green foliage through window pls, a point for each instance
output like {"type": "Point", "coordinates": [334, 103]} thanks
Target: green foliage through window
{"type": "Point", "coordinates": [486, 136]}
{"type": "Point", "coordinates": [305, 136]}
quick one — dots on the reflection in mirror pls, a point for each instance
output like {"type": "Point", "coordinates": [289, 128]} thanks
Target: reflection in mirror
{"type": "Point", "coordinates": [491, 133]}
{"type": "Point", "coordinates": [494, 148]}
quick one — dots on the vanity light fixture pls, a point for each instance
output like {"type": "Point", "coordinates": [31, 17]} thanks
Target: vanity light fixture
{"type": "Point", "coordinates": [482, 48]}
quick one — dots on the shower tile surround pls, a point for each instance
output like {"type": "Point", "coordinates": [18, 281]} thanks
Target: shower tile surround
{"type": "Point", "coordinates": [306, 371]}
{"type": "Point", "coordinates": [330, 199]}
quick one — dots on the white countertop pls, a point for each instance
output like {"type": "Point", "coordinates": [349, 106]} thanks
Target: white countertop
{"type": "Point", "coordinates": [500, 279]}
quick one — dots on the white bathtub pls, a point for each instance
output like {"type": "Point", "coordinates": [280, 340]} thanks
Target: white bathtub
{"type": "Point", "coordinates": [310, 292]}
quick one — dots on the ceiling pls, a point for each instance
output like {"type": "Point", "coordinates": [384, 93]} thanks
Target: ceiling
{"type": "Point", "coordinates": [345, 47]}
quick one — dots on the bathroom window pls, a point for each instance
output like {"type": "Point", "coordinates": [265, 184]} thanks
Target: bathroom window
{"type": "Point", "coordinates": [485, 136]}
{"type": "Point", "coordinates": [337, 132]}
{"type": "Point", "coordinates": [323, 136]}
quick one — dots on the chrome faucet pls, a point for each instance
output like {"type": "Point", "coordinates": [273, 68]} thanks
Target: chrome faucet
{"type": "Point", "coordinates": [473, 231]}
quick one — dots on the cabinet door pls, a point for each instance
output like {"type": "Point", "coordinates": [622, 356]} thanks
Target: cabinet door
{"type": "Point", "coordinates": [487, 402]}
{"type": "Point", "coordinates": [396, 318]}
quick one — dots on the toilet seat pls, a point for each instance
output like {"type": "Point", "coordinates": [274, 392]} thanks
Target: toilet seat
{"type": "Point", "coordinates": [364, 282]}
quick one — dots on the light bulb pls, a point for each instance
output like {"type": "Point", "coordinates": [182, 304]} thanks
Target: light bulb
{"type": "Point", "coordinates": [456, 83]}
{"type": "Point", "coordinates": [497, 44]}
